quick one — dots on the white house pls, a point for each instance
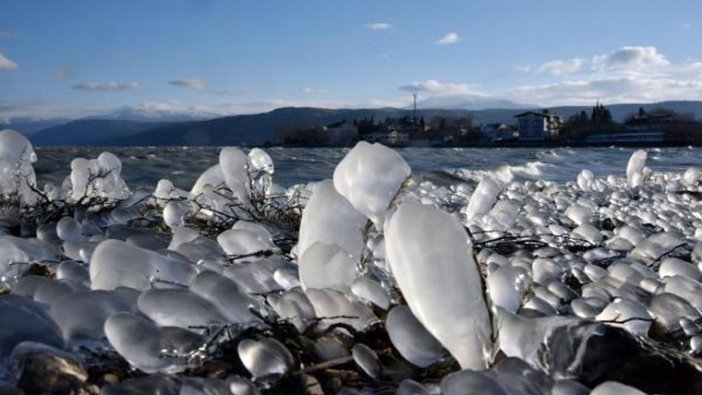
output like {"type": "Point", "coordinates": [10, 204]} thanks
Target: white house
{"type": "Point", "coordinates": [538, 126]}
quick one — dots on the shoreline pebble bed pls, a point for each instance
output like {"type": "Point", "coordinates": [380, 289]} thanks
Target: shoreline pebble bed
{"type": "Point", "coordinates": [367, 282]}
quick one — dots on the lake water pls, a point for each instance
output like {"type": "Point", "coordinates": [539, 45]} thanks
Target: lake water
{"type": "Point", "coordinates": [144, 166]}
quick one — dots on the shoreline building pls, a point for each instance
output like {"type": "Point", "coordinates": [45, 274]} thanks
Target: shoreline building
{"type": "Point", "coordinates": [538, 125]}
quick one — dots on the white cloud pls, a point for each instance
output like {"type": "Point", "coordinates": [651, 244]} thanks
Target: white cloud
{"type": "Point", "coordinates": [7, 64]}
{"type": "Point", "coordinates": [610, 90]}
{"type": "Point", "coordinates": [449, 38]}
{"type": "Point", "coordinates": [437, 88]}
{"type": "Point", "coordinates": [631, 57]}
{"type": "Point", "coordinates": [377, 26]}
{"type": "Point", "coordinates": [191, 83]}
{"type": "Point", "coordinates": [109, 86]}
{"type": "Point", "coordinates": [559, 67]}
{"type": "Point", "coordinates": [628, 74]}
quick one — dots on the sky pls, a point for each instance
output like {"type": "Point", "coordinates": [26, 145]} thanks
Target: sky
{"type": "Point", "coordinates": [72, 58]}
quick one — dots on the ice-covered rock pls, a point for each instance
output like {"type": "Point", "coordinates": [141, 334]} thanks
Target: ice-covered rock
{"type": "Point", "coordinates": [118, 264]}
{"type": "Point", "coordinates": [371, 291]}
{"type": "Point", "coordinates": [483, 198]}
{"type": "Point", "coordinates": [261, 161]}
{"type": "Point", "coordinates": [81, 315]}
{"type": "Point", "coordinates": [369, 177]}
{"type": "Point", "coordinates": [238, 242]}
{"type": "Point", "coordinates": [17, 253]}
{"type": "Point", "coordinates": [225, 295]}
{"type": "Point", "coordinates": [429, 253]}
{"type": "Point", "coordinates": [330, 218]}
{"type": "Point", "coordinates": [630, 315]}
{"type": "Point", "coordinates": [507, 285]}
{"type": "Point", "coordinates": [635, 166]}
{"type": "Point", "coordinates": [411, 339]}
{"type": "Point", "coordinates": [180, 308]}
{"type": "Point", "coordinates": [329, 304]}
{"type": "Point", "coordinates": [235, 168]}
{"type": "Point", "coordinates": [213, 177]}
{"type": "Point", "coordinates": [265, 357]}
{"type": "Point", "coordinates": [17, 176]}
{"type": "Point", "coordinates": [367, 360]}
{"type": "Point", "coordinates": [148, 347]}
{"type": "Point", "coordinates": [326, 266]}
{"type": "Point", "coordinates": [655, 246]}
{"type": "Point", "coordinates": [294, 306]}
{"type": "Point", "coordinates": [471, 382]}
{"type": "Point", "coordinates": [97, 178]}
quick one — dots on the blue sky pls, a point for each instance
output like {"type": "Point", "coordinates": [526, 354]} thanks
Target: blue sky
{"type": "Point", "coordinates": [79, 57]}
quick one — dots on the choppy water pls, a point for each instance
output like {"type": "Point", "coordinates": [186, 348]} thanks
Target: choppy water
{"type": "Point", "coordinates": [144, 166]}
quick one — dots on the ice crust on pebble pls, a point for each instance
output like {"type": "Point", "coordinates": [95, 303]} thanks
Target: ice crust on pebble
{"type": "Point", "coordinates": [265, 356]}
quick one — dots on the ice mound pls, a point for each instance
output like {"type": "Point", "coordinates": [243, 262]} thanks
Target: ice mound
{"type": "Point", "coordinates": [96, 178]}
{"type": "Point", "coordinates": [411, 339]}
{"type": "Point", "coordinates": [330, 218]}
{"type": "Point", "coordinates": [238, 242]}
{"type": "Point", "coordinates": [483, 198]}
{"type": "Point", "coordinates": [82, 315]}
{"type": "Point", "coordinates": [148, 347]}
{"type": "Point", "coordinates": [118, 264]}
{"type": "Point", "coordinates": [635, 167]}
{"type": "Point", "coordinates": [429, 253]}
{"type": "Point", "coordinates": [17, 253]}
{"type": "Point", "coordinates": [261, 161]}
{"type": "Point", "coordinates": [327, 266]}
{"type": "Point", "coordinates": [369, 177]}
{"type": "Point", "coordinates": [235, 167]}
{"type": "Point", "coordinates": [367, 360]}
{"type": "Point", "coordinates": [17, 178]}
{"type": "Point", "coordinates": [334, 307]}
{"type": "Point", "coordinates": [265, 357]}
{"type": "Point", "coordinates": [226, 296]}
{"type": "Point", "coordinates": [180, 308]}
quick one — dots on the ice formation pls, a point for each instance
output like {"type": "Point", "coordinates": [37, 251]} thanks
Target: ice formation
{"type": "Point", "coordinates": [411, 339]}
{"type": "Point", "coordinates": [369, 177]}
{"type": "Point", "coordinates": [429, 253]}
{"type": "Point", "coordinates": [17, 178]}
{"type": "Point", "coordinates": [330, 218]}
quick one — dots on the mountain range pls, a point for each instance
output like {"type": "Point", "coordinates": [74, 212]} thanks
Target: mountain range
{"type": "Point", "coordinates": [126, 127]}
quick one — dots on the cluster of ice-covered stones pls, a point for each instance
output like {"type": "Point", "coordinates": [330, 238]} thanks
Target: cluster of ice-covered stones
{"type": "Point", "coordinates": [523, 284]}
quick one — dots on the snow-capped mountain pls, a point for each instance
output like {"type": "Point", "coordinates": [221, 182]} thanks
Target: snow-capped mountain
{"type": "Point", "coordinates": [157, 112]}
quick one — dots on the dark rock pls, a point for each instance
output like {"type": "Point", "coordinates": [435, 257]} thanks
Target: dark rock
{"type": "Point", "coordinates": [595, 353]}
{"type": "Point", "coordinates": [47, 373]}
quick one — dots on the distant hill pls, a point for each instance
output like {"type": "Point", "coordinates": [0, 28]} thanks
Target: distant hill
{"type": "Point", "coordinates": [248, 129]}
{"type": "Point", "coordinates": [86, 132]}
{"type": "Point", "coordinates": [28, 125]}
{"type": "Point", "coordinates": [256, 129]}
